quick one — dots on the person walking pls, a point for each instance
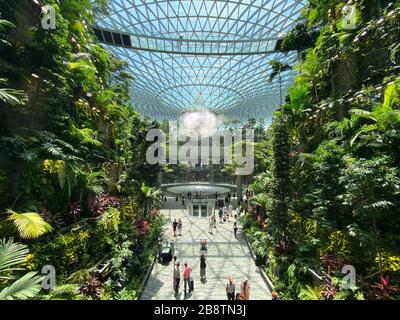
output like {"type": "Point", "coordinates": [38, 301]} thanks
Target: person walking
{"type": "Point", "coordinates": [180, 227]}
{"type": "Point", "coordinates": [235, 229]}
{"type": "Point", "coordinates": [210, 225]}
{"type": "Point", "coordinates": [230, 289]}
{"type": "Point", "coordinates": [220, 213]}
{"type": "Point", "coordinates": [245, 290]}
{"type": "Point", "coordinates": [203, 266]}
{"type": "Point", "coordinates": [177, 277]}
{"type": "Point", "coordinates": [174, 226]}
{"type": "Point", "coordinates": [230, 209]}
{"type": "Point", "coordinates": [225, 213]}
{"type": "Point", "coordinates": [187, 272]}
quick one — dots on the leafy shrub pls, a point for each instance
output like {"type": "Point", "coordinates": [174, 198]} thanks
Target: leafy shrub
{"type": "Point", "coordinates": [105, 233]}
{"type": "Point", "coordinates": [339, 245]}
{"type": "Point", "coordinates": [102, 203]}
{"type": "Point", "coordinates": [66, 252]}
{"type": "Point", "coordinates": [92, 288]}
{"type": "Point", "coordinates": [310, 293]}
{"type": "Point", "coordinates": [64, 292]}
{"type": "Point", "coordinates": [80, 276]}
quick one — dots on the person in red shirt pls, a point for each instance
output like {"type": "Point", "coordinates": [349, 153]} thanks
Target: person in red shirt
{"type": "Point", "coordinates": [187, 273]}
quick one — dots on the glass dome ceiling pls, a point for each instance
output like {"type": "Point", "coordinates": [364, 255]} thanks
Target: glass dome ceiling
{"type": "Point", "coordinates": [201, 54]}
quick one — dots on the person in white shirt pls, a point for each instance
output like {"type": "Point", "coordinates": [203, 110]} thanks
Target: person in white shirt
{"type": "Point", "coordinates": [230, 289]}
{"type": "Point", "coordinates": [210, 225]}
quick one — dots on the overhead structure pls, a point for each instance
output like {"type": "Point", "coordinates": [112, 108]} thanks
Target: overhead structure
{"type": "Point", "coordinates": [202, 54]}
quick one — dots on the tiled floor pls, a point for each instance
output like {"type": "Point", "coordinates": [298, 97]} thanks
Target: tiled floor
{"type": "Point", "coordinates": [226, 256]}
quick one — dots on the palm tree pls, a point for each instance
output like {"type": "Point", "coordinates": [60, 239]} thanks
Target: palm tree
{"type": "Point", "coordinates": [29, 225]}
{"type": "Point", "coordinates": [262, 199]}
{"type": "Point", "coordinates": [277, 69]}
{"type": "Point", "coordinates": [12, 256]}
{"type": "Point", "coordinates": [150, 196]}
{"type": "Point", "coordinates": [4, 25]}
{"type": "Point", "coordinates": [11, 97]}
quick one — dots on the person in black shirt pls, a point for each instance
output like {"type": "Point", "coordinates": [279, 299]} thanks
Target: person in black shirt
{"type": "Point", "coordinates": [235, 229]}
{"type": "Point", "coordinates": [174, 226]}
{"type": "Point", "coordinates": [203, 266]}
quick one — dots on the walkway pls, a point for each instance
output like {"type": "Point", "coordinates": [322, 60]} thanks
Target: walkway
{"type": "Point", "coordinates": [226, 257]}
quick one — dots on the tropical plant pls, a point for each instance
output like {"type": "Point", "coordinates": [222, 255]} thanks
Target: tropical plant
{"type": "Point", "coordinates": [150, 196]}
{"type": "Point", "coordinates": [277, 69]}
{"type": "Point", "coordinates": [310, 293]}
{"type": "Point", "coordinates": [92, 288]}
{"type": "Point", "coordinates": [383, 290]}
{"type": "Point", "coordinates": [11, 97]}
{"type": "Point", "coordinates": [29, 225]}
{"type": "Point", "coordinates": [12, 257]}
{"type": "Point", "coordinates": [64, 292]}
{"type": "Point", "coordinates": [101, 203]}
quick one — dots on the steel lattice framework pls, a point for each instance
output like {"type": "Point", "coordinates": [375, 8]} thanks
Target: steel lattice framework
{"type": "Point", "coordinates": [195, 54]}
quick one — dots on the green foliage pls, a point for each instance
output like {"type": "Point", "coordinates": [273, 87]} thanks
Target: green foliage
{"type": "Point", "coordinates": [339, 245]}
{"type": "Point", "coordinates": [300, 37]}
{"type": "Point", "coordinates": [64, 292]}
{"type": "Point", "coordinates": [330, 187]}
{"type": "Point", "coordinates": [29, 225]}
{"type": "Point", "coordinates": [310, 293]}
{"type": "Point", "coordinates": [389, 262]}
{"type": "Point", "coordinates": [12, 257]}
{"type": "Point", "coordinates": [79, 151]}
{"type": "Point", "coordinates": [392, 95]}
{"type": "Point", "coordinates": [126, 294]}
{"type": "Point", "coordinates": [66, 252]}
{"type": "Point", "coordinates": [24, 288]}
{"type": "Point", "coordinates": [279, 216]}
{"type": "Point", "coordinates": [120, 254]}
{"type": "Point", "coordinates": [105, 233]}
{"type": "Point", "coordinates": [11, 97]}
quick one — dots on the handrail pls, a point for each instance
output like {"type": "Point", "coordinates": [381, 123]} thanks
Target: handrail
{"type": "Point", "coordinates": [268, 282]}
{"type": "Point", "coordinates": [146, 278]}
